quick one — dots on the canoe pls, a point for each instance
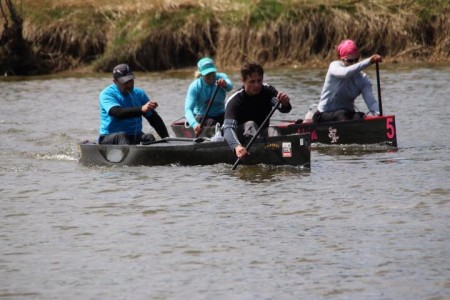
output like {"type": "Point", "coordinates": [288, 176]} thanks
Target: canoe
{"type": "Point", "coordinates": [180, 130]}
{"type": "Point", "coordinates": [379, 130]}
{"type": "Point", "coordinates": [291, 150]}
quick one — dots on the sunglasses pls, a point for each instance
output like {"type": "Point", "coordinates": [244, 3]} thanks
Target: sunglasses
{"type": "Point", "coordinates": [351, 61]}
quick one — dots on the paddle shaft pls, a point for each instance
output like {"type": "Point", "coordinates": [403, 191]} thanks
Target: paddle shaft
{"type": "Point", "coordinates": [209, 105]}
{"type": "Point", "coordinates": [263, 125]}
{"type": "Point", "coordinates": [379, 88]}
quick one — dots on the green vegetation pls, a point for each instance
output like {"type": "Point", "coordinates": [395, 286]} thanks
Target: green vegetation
{"type": "Point", "coordinates": [177, 18]}
{"type": "Point", "coordinates": [265, 11]}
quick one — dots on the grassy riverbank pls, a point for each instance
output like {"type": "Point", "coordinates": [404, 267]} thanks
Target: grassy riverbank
{"type": "Point", "coordinates": [162, 35]}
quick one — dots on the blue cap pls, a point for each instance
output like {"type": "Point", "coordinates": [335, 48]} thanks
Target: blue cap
{"type": "Point", "coordinates": [206, 66]}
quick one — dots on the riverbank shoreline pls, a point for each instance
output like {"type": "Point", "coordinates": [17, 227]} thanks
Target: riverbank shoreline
{"type": "Point", "coordinates": [88, 70]}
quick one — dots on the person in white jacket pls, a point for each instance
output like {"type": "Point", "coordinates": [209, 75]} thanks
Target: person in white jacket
{"type": "Point", "coordinates": [344, 82]}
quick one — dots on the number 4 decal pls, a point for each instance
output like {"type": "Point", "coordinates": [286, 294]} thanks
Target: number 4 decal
{"type": "Point", "coordinates": [390, 128]}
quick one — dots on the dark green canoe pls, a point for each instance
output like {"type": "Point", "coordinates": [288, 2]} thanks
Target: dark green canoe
{"type": "Point", "coordinates": [291, 150]}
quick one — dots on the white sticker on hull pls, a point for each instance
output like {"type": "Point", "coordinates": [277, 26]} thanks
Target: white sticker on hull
{"type": "Point", "coordinates": [333, 135]}
{"type": "Point", "coordinates": [286, 149]}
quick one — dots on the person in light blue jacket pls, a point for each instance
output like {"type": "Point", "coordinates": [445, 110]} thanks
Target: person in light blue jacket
{"type": "Point", "coordinates": [202, 91]}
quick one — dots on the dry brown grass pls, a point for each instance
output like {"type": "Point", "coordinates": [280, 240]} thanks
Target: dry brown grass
{"type": "Point", "coordinates": [219, 5]}
{"type": "Point", "coordinates": [303, 33]}
{"type": "Point", "coordinates": [136, 5]}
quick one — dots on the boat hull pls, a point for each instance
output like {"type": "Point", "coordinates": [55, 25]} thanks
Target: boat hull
{"type": "Point", "coordinates": [370, 130]}
{"type": "Point", "coordinates": [283, 150]}
{"type": "Point", "coordinates": [180, 130]}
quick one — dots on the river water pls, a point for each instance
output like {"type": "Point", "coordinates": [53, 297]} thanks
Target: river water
{"type": "Point", "coordinates": [359, 225]}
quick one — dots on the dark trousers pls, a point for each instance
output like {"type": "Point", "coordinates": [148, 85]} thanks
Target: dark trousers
{"type": "Point", "coordinates": [339, 115]}
{"type": "Point", "coordinates": [121, 138]}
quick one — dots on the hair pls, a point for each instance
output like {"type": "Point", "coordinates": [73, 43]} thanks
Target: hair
{"type": "Point", "coordinates": [248, 68]}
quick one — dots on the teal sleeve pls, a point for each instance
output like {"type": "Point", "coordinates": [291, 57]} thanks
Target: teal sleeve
{"type": "Point", "coordinates": [229, 86]}
{"type": "Point", "coordinates": [190, 103]}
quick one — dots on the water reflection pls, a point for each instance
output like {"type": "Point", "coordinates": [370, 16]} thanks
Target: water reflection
{"type": "Point", "coordinates": [265, 173]}
{"type": "Point", "coordinates": [352, 149]}
{"type": "Point", "coordinates": [362, 223]}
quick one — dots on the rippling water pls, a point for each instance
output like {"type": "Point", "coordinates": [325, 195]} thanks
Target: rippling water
{"type": "Point", "coordinates": [360, 225]}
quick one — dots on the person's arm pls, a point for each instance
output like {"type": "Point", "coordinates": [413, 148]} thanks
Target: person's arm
{"type": "Point", "coordinates": [110, 104]}
{"type": "Point", "coordinates": [189, 105]}
{"type": "Point", "coordinates": [125, 112]}
{"type": "Point", "coordinates": [224, 81]}
{"type": "Point", "coordinates": [285, 106]}
{"type": "Point", "coordinates": [369, 98]}
{"type": "Point", "coordinates": [285, 103]}
{"type": "Point", "coordinates": [337, 68]}
{"type": "Point", "coordinates": [230, 126]}
{"type": "Point", "coordinates": [230, 135]}
{"type": "Point", "coordinates": [157, 123]}
{"type": "Point", "coordinates": [120, 112]}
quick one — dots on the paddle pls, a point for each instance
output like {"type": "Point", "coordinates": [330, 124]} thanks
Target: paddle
{"type": "Point", "coordinates": [173, 139]}
{"type": "Point", "coordinates": [209, 106]}
{"type": "Point", "coordinates": [379, 88]}
{"type": "Point", "coordinates": [257, 132]}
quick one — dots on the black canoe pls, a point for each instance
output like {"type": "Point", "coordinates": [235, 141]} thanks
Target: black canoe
{"type": "Point", "coordinates": [370, 130]}
{"type": "Point", "coordinates": [281, 150]}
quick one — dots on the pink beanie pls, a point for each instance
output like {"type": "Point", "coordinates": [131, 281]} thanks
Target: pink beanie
{"type": "Point", "coordinates": [347, 48]}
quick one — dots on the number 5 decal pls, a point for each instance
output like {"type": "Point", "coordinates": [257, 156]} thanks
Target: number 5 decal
{"type": "Point", "coordinates": [390, 128]}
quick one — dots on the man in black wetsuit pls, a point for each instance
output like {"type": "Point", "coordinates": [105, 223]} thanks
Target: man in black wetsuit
{"type": "Point", "coordinates": [247, 108]}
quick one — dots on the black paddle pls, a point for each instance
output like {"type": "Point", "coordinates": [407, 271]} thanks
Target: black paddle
{"type": "Point", "coordinates": [257, 132]}
{"type": "Point", "coordinates": [174, 139]}
{"type": "Point", "coordinates": [209, 105]}
{"type": "Point", "coordinates": [379, 88]}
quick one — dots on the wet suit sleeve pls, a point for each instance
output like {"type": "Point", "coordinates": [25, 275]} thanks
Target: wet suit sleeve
{"type": "Point", "coordinates": [229, 133]}
{"type": "Point", "coordinates": [283, 109]}
{"type": "Point", "coordinates": [125, 112]}
{"type": "Point", "coordinates": [230, 124]}
{"type": "Point", "coordinates": [157, 123]}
